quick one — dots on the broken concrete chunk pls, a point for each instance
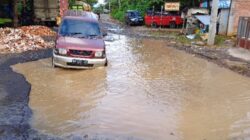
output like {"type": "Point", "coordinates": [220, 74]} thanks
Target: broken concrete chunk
{"type": "Point", "coordinates": [24, 39]}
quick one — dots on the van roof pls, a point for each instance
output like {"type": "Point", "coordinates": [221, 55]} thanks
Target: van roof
{"type": "Point", "coordinates": [82, 15]}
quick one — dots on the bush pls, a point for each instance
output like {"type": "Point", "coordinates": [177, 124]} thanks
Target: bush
{"type": "Point", "coordinates": [119, 15]}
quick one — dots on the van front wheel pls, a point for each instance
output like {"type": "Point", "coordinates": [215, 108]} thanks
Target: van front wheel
{"type": "Point", "coordinates": [53, 64]}
{"type": "Point", "coordinates": [106, 63]}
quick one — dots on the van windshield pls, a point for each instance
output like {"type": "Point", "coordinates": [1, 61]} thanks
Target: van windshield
{"type": "Point", "coordinates": [79, 28]}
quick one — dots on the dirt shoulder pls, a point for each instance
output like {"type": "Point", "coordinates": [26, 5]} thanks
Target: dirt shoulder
{"type": "Point", "coordinates": [219, 56]}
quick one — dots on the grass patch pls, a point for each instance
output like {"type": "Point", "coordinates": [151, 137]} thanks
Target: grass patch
{"type": "Point", "coordinates": [162, 33]}
{"type": "Point", "coordinates": [220, 39]}
{"type": "Point", "coordinates": [5, 20]}
{"type": "Point", "coordinates": [183, 39]}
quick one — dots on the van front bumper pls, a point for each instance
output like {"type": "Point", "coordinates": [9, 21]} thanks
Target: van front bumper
{"type": "Point", "coordinates": [78, 63]}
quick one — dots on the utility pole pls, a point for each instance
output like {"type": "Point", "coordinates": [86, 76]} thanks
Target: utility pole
{"type": "Point", "coordinates": [213, 22]}
{"type": "Point", "coordinates": [230, 19]}
{"type": "Point", "coordinates": [15, 11]}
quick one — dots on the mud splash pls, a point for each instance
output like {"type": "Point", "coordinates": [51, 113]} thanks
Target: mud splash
{"type": "Point", "coordinates": [148, 91]}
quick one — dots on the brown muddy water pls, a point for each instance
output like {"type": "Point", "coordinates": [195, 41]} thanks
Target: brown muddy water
{"type": "Point", "coordinates": [148, 91]}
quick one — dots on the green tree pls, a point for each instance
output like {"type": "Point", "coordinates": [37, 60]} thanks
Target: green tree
{"type": "Point", "coordinates": [71, 2]}
{"type": "Point", "coordinates": [91, 2]}
{"type": "Point", "coordinates": [143, 5]}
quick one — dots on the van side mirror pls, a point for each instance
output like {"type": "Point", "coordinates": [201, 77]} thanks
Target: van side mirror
{"type": "Point", "coordinates": [56, 29]}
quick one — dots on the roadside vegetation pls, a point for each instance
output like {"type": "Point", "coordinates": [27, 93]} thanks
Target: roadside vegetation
{"type": "Point", "coordinates": [119, 7]}
{"type": "Point", "coordinates": [91, 2]}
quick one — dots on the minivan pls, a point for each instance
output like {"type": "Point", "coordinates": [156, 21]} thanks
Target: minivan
{"type": "Point", "coordinates": [79, 42]}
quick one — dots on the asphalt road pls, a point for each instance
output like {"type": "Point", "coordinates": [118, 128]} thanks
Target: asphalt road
{"type": "Point", "coordinates": [14, 97]}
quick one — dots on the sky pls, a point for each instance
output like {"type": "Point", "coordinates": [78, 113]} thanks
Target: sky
{"type": "Point", "coordinates": [101, 1]}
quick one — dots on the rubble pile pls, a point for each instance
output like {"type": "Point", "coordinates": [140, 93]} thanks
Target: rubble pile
{"type": "Point", "coordinates": [24, 39]}
{"type": "Point", "coordinates": [38, 30]}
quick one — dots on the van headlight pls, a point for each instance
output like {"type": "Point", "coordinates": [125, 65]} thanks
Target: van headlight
{"type": "Point", "coordinates": [99, 54]}
{"type": "Point", "coordinates": [60, 51]}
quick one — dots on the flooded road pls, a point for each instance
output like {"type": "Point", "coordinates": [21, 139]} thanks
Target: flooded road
{"type": "Point", "coordinates": [148, 91]}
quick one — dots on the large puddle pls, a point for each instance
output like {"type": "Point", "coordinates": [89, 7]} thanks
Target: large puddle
{"type": "Point", "coordinates": [148, 91]}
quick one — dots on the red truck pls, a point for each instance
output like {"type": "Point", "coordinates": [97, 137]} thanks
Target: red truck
{"type": "Point", "coordinates": [165, 19]}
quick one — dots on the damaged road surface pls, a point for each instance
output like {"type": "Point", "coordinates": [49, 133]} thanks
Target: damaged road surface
{"type": "Point", "coordinates": [15, 112]}
{"type": "Point", "coordinates": [149, 91]}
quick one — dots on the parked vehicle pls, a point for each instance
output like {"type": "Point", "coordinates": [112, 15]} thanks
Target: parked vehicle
{"type": "Point", "coordinates": [133, 17]}
{"type": "Point", "coordinates": [48, 10]}
{"type": "Point", "coordinates": [155, 19]}
{"type": "Point", "coordinates": [106, 11]}
{"type": "Point", "coordinates": [85, 6]}
{"type": "Point", "coordinates": [79, 42]}
{"type": "Point", "coordinates": [53, 10]}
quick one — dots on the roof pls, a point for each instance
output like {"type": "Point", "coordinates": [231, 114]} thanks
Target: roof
{"type": "Point", "coordinates": [197, 11]}
{"type": "Point", "coordinates": [83, 15]}
{"type": "Point", "coordinates": [205, 19]}
{"type": "Point", "coordinates": [223, 4]}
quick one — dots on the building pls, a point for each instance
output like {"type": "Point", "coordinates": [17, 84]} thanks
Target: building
{"type": "Point", "coordinates": [238, 8]}
{"type": "Point", "coordinates": [229, 12]}
{"type": "Point", "coordinates": [223, 14]}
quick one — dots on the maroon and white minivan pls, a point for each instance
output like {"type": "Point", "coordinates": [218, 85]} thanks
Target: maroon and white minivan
{"type": "Point", "coordinates": [79, 42]}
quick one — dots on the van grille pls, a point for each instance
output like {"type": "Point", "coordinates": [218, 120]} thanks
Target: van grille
{"type": "Point", "coordinates": [81, 53]}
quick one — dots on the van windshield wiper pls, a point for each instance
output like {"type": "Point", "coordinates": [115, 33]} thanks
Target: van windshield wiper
{"type": "Point", "coordinates": [76, 35]}
{"type": "Point", "coordinates": [93, 35]}
{"type": "Point", "coordinates": [72, 34]}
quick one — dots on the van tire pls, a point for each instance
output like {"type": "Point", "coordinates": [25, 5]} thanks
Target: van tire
{"type": "Point", "coordinates": [106, 63]}
{"type": "Point", "coordinates": [172, 25]}
{"type": "Point", "coordinates": [53, 64]}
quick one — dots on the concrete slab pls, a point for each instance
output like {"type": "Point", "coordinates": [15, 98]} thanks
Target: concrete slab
{"type": "Point", "coordinates": [240, 53]}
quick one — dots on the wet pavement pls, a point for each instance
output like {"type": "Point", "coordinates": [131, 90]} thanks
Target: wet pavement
{"type": "Point", "coordinates": [14, 97]}
{"type": "Point", "coordinates": [148, 91]}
